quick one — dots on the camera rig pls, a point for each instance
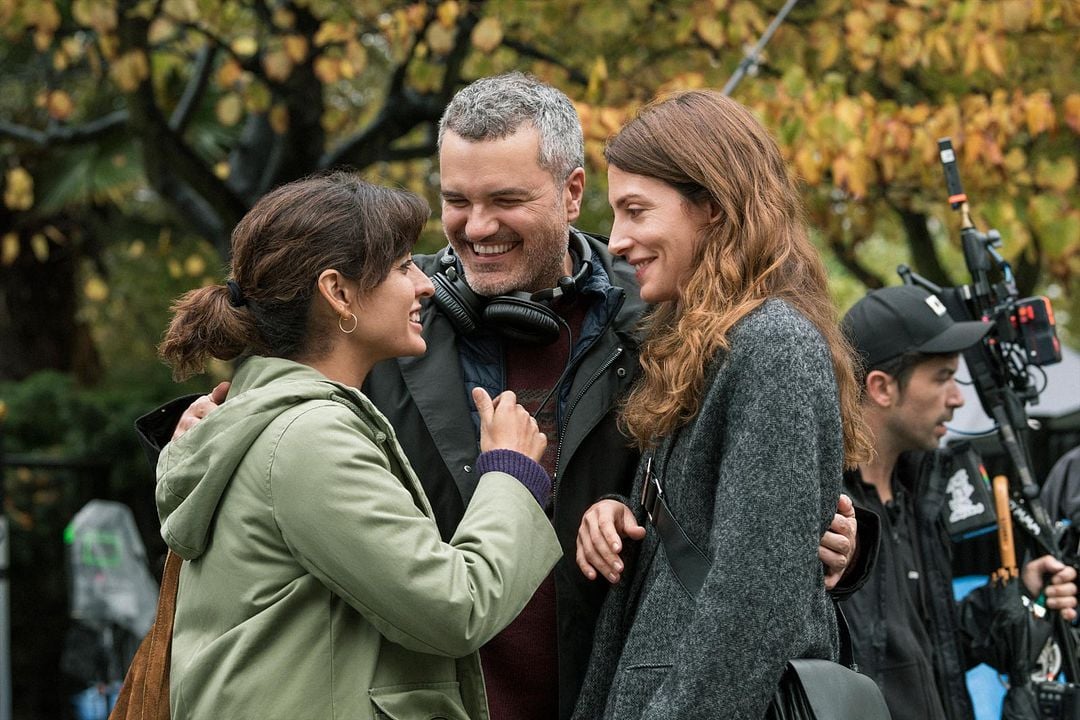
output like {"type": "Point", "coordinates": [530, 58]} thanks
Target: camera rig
{"type": "Point", "coordinates": [1002, 367]}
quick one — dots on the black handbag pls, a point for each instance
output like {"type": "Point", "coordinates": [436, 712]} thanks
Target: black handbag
{"type": "Point", "coordinates": [810, 688]}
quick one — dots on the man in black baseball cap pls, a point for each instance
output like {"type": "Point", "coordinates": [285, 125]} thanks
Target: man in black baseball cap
{"type": "Point", "coordinates": [906, 631]}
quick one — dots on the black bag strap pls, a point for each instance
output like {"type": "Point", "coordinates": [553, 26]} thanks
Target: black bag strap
{"type": "Point", "coordinates": [687, 560]}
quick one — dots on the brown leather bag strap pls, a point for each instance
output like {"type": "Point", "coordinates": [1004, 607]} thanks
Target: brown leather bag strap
{"type": "Point", "coordinates": [145, 694]}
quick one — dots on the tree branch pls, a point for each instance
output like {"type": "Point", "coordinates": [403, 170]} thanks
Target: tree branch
{"type": "Point", "coordinates": [65, 134]}
{"type": "Point", "coordinates": [193, 93]}
{"type": "Point", "coordinates": [174, 170]}
{"type": "Point", "coordinates": [530, 51]}
{"type": "Point", "coordinates": [846, 255]}
{"type": "Point", "coordinates": [923, 254]}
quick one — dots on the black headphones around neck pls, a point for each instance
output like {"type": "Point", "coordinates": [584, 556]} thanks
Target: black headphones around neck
{"type": "Point", "coordinates": [520, 316]}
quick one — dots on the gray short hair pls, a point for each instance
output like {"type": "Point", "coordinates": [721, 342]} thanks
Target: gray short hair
{"type": "Point", "coordinates": [496, 107]}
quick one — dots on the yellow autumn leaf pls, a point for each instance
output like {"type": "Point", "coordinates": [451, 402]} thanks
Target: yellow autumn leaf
{"type": "Point", "coordinates": [1015, 15]}
{"type": "Point", "coordinates": [161, 29]}
{"type": "Point", "coordinates": [136, 249]}
{"type": "Point", "coordinates": [258, 99]}
{"type": "Point", "coordinates": [99, 15]}
{"type": "Point", "coordinates": [1071, 108]}
{"type": "Point", "coordinates": [332, 32]}
{"type": "Point", "coordinates": [447, 13]}
{"type": "Point", "coordinates": [440, 38]}
{"type": "Point", "coordinates": [222, 169]}
{"type": "Point", "coordinates": [229, 109]}
{"type": "Point", "coordinates": [828, 47]}
{"type": "Point", "coordinates": [487, 35]}
{"type": "Point", "coordinates": [174, 268]}
{"type": "Point", "coordinates": [1057, 174]}
{"type": "Point", "coordinates": [807, 164]}
{"type": "Point", "coordinates": [991, 58]}
{"type": "Point", "coordinates": [60, 61]}
{"type": "Point", "coordinates": [296, 47]}
{"type": "Point", "coordinates": [194, 265]}
{"type": "Point", "coordinates": [18, 189]}
{"type": "Point", "coordinates": [943, 48]}
{"type": "Point", "coordinates": [971, 58]}
{"type": "Point", "coordinates": [245, 46]}
{"type": "Point", "coordinates": [39, 244]}
{"type": "Point", "coordinates": [229, 73]}
{"type": "Point", "coordinates": [182, 10]}
{"type": "Point", "coordinates": [848, 112]}
{"type": "Point", "coordinates": [1039, 112]}
{"type": "Point", "coordinates": [1015, 160]}
{"type": "Point", "coordinates": [327, 69]}
{"type": "Point", "coordinates": [60, 105]}
{"type": "Point", "coordinates": [9, 249]}
{"type": "Point", "coordinates": [909, 21]}
{"type": "Point", "coordinates": [711, 31]}
{"type": "Point", "coordinates": [279, 119]}
{"type": "Point", "coordinates": [95, 289]}
{"type": "Point", "coordinates": [277, 65]}
{"type": "Point", "coordinates": [357, 56]}
{"type": "Point", "coordinates": [597, 75]}
{"type": "Point", "coordinates": [129, 70]}
{"type": "Point", "coordinates": [283, 18]}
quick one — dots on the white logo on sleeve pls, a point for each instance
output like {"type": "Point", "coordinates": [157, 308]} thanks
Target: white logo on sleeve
{"type": "Point", "coordinates": [935, 304]}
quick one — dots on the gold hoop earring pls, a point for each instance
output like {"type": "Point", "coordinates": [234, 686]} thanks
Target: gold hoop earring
{"type": "Point", "coordinates": [355, 322]}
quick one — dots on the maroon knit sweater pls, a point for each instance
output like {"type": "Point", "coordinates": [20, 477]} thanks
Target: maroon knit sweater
{"type": "Point", "coordinates": [521, 669]}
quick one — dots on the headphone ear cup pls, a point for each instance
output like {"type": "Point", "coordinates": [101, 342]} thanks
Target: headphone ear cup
{"type": "Point", "coordinates": [458, 302]}
{"type": "Point", "coordinates": [521, 319]}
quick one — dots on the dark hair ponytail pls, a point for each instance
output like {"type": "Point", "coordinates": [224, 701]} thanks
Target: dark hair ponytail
{"type": "Point", "coordinates": [205, 325]}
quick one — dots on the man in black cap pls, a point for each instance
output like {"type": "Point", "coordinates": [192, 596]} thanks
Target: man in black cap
{"type": "Point", "coordinates": [906, 630]}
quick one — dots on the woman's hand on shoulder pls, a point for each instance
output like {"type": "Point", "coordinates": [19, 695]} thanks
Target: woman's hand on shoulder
{"type": "Point", "coordinates": [599, 539]}
{"type": "Point", "coordinates": [506, 425]}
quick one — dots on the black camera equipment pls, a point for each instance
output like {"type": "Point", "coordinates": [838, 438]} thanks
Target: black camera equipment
{"type": "Point", "coordinates": [1004, 370]}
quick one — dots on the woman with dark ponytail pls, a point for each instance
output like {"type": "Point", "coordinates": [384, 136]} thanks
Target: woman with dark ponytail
{"type": "Point", "coordinates": [314, 582]}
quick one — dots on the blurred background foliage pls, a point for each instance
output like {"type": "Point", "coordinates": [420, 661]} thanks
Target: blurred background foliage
{"type": "Point", "coordinates": [135, 133]}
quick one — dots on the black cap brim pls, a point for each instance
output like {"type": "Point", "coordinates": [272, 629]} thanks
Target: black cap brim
{"type": "Point", "coordinates": [957, 338]}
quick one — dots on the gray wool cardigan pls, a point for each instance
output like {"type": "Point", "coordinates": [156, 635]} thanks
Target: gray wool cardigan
{"type": "Point", "coordinates": [754, 481]}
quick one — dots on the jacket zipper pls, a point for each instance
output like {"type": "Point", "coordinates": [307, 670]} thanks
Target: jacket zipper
{"type": "Point", "coordinates": [570, 410]}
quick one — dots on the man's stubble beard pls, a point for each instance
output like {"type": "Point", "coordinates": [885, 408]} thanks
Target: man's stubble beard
{"type": "Point", "coordinates": [540, 266]}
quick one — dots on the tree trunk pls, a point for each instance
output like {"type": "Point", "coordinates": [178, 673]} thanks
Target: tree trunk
{"type": "Point", "coordinates": [38, 303]}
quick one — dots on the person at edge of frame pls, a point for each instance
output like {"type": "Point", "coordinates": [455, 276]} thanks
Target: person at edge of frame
{"type": "Point", "coordinates": [511, 157]}
{"type": "Point", "coordinates": [907, 632]}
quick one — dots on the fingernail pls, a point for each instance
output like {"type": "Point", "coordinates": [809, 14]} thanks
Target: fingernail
{"type": "Point", "coordinates": [614, 577]}
{"type": "Point", "coordinates": [618, 566]}
{"type": "Point", "coordinates": [618, 548]}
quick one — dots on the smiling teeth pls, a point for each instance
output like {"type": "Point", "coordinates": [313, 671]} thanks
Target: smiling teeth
{"type": "Point", "coordinates": [492, 249]}
{"type": "Point", "coordinates": [414, 317]}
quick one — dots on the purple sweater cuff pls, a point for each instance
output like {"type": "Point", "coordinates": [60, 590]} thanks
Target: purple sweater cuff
{"type": "Point", "coordinates": [527, 471]}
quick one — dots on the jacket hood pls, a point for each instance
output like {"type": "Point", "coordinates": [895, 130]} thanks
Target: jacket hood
{"type": "Point", "coordinates": [194, 471]}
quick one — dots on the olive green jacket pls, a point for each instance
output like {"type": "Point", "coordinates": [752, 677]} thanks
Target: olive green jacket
{"type": "Point", "coordinates": [315, 583]}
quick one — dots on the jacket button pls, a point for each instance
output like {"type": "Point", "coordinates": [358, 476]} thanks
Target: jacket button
{"type": "Point", "coordinates": [621, 372]}
{"type": "Point", "coordinates": [467, 468]}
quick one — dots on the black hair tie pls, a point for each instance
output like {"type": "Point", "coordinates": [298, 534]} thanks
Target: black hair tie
{"type": "Point", "coordinates": [236, 296]}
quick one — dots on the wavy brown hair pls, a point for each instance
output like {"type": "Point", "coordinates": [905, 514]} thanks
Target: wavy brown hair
{"type": "Point", "coordinates": [711, 149]}
{"type": "Point", "coordinates": [279, 248]}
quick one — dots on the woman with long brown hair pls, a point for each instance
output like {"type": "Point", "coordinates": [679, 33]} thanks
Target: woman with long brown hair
{"type": "Point", "coordinates": [315, 583]}
{"type": "Point", "coordinates": [747, 411]}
